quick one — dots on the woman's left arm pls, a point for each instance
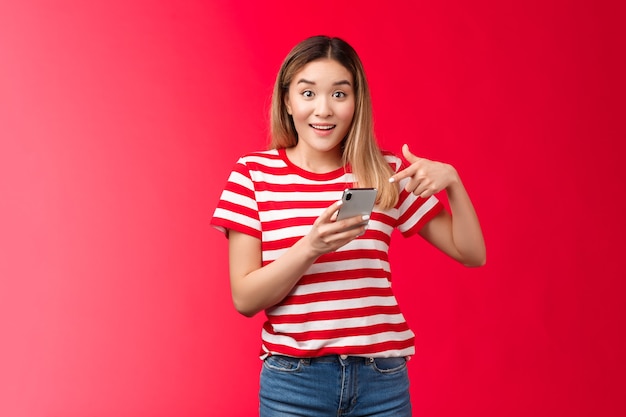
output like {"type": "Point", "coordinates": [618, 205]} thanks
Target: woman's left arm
{"type": "Point", "coordinates": [458, 235]}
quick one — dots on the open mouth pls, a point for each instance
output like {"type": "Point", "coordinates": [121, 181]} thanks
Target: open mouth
{"type": "Point", "coordinates": [323, 127]}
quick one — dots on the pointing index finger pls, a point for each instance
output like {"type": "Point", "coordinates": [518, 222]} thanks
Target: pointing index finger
{"type": "Point", "coordinates": [408, 171]}
{"type": "Point", "coordinates": [400, 175]}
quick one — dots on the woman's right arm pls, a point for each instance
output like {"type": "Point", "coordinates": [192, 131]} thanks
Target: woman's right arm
{"type": "Point", "coordinates": [255, 287]}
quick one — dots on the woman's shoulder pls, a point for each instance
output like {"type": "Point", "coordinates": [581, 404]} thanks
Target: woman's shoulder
{"type": "Point", "coordinates": [262, 157]}
{"type": "Point", "coordinates": [267, 153]}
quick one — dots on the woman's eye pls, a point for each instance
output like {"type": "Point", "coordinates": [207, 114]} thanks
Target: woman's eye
{"type": "Point", "coordinates": [307, 93]}
{"type": "Point", "coordinates": [339, 94]}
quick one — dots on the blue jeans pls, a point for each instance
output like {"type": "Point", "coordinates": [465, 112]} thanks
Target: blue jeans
{"type": "Point", "coordinates": [334, 386]}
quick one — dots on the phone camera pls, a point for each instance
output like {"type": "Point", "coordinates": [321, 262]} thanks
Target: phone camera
{"type": "Point", "coordinates": [348, 196]}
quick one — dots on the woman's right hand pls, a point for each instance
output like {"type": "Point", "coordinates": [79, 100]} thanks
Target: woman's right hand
{"type": "Point", "coordinates": [255, 287]}
{"type": "Point", "coordinates": [329, 234]}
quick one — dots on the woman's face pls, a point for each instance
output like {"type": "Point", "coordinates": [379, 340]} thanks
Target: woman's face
{"type": "Point", "coordinates": [321, 101]}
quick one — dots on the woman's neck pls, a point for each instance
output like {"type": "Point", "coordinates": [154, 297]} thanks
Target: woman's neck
{"type": "Point", "coordinates": [312, 161]}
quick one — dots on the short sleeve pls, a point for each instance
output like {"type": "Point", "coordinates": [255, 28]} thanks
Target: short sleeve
{"type": "Point", "coordinates": [413, 211]}
{"type": "Point", "coordinates": [237, 207]}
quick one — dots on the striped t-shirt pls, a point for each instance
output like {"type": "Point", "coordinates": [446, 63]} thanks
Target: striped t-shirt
{"type": "Point", "coordinates": [343, 304]}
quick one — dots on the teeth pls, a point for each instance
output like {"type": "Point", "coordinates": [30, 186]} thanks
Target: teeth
{"type": "Point", "coordinates": [322, 127]}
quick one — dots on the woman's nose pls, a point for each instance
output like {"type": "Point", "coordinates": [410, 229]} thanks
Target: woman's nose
{"type": "Point", "coordinates": [323, 108]}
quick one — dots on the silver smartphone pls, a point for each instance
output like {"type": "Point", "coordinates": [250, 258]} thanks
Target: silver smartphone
{"type": "Point", "coordinates": [357, 202]}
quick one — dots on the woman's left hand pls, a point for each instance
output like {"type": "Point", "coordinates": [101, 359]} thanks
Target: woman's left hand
{"type": "Point", "coordinates": [426, 177]}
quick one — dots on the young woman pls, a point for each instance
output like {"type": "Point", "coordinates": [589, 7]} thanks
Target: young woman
{"type": "Point", "coordinates": [335, 341]}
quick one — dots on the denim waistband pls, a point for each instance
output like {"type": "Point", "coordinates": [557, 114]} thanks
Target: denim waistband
{"type": "Point", "coordinates": [344, 359]}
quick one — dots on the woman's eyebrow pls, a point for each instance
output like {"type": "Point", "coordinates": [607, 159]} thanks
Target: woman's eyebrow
{"type": "Point", "coordinates": [305, 81]}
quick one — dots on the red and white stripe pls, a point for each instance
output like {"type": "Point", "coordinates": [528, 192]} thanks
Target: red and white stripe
{"type": "Point", "coordinates": [344, 303]}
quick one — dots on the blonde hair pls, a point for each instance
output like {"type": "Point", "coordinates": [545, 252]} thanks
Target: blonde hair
{"type": "Point", "coordinates": [360, 148]}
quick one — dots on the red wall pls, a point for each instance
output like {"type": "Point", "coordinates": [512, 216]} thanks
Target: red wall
{"type": "Point", "coordinates": [119, 123]}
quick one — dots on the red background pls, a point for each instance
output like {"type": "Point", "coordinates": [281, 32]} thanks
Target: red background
{"type": "Point", "coordinates": [119, 123]}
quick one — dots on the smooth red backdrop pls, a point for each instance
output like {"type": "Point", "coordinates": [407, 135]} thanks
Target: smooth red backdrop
{"type": "Point", "coordinates": [120, 121]}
